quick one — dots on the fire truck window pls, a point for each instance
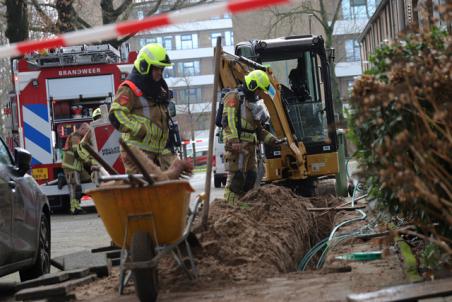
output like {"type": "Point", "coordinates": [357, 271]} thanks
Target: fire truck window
{"type": "Point", "coordinates": [4, 154]}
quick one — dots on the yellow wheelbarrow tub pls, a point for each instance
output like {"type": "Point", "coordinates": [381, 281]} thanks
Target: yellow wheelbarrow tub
{"type": "Point", "coordinates": [166, 202]}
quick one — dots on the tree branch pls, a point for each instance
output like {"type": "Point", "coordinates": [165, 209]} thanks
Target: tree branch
{"type": "Point", "coordinates": [336, 13]}
{"type": "Point", "coordinates": [46, 19]}
{"type": "Point", "coordinates": [124, 6]}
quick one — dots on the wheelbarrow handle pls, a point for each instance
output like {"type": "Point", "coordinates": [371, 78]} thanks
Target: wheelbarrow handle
{"type": "Point", "coordinates": [99, 159]}
{"type": "Point", "coordinates": [201, 198]}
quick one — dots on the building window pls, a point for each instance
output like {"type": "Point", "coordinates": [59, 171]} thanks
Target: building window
{"type": "Point", "coordinates": [144, 41]}
{"type": "Point", "coordinates": [168, 42]}
{"type": "Point", "coordinates": [213, 37]}
{"type": "Point", "coordinates": [358, 9]}
{"type": "Point", "coordinates": [229, 38]}
{"type": "Point", "coordinates": [191, 96]}
{"type": "Point", "coordinates": [186, 41]}
{"type": "Point", "coordinates": [350, 87]}
{"type": "Point", "coordinates": [168, 72]}
{"type": "Point", "coordinates": [140, 15]}
{"type": "Point", "coordinates": [189, 68]}
{"type": "Point", "coordinates": [352, 51]}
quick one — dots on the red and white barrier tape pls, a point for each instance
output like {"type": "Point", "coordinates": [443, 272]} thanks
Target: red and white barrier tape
{"type": "Point", "coordinates": [112, 31]}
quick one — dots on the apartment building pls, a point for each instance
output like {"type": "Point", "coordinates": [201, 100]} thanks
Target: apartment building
{"type": "Point", "coordinates": [352, 19]}
{"type": "Point", "coordinates": [350, 22]}
{"type": "Point", "coordinates": [393, 17]}
{"type": "Point", "coordinates": [190, 47]}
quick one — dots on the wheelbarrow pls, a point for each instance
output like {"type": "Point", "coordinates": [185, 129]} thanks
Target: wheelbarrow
{"type": "Point", "coordinates": [147, 221]}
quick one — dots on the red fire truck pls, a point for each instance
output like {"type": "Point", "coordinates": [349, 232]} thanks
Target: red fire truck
{"type": "Point", "coordinates": [56, 91]}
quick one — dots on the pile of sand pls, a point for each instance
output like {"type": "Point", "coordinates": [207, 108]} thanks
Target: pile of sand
{"type": "Point", "coordinates": [264, 236]}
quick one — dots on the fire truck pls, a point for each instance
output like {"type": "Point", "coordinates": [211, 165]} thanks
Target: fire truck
{"type": "Point", "coordinates": [56, 91]}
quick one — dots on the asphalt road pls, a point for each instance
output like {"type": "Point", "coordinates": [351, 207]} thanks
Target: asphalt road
{"type": "Point", "coordinates": [84, 232]}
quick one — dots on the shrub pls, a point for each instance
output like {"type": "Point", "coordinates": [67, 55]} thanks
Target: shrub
{"type": "Point", "coordinates": [401, 121]}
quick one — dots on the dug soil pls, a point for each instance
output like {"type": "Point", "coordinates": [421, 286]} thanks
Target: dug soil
{"type": "Point", "coordinates": [262, 236]}
{"type": "Point", "coordinates": [250, 252]}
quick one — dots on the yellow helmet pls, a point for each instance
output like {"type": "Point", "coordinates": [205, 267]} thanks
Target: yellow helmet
{"type": "Point", "coordinates": [257, 79]}
{"type": "Point", "coordinates": [151, 55]}
{"type": "Point", "coordinates": [96, 114]}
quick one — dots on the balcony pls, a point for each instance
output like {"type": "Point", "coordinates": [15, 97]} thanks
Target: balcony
{"type": "Point", "coordinates": [191, 27]}
{"type": "Point", "coordinates": [183, 54]}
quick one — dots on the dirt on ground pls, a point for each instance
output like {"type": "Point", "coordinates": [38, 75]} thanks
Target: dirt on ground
{"type": "Point", "coordinates": [262, 236]}
{"type": "Point", "coordinates": [250, 252]}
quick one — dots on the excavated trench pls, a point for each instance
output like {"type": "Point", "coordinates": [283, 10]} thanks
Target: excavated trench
{"type": "Point", "coordinates": [265, 236]}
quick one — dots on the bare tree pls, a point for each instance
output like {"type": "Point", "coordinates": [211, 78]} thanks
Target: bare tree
{"type": "Point", "coordinates": [59, 16]}
{"type": "Point", "coordinates": [326, 13]}
{"type": "Point", "coordinates": [16, 20]}
{"type": "Point", "coordinates": [189, 119]}
{"type": "Point", "coordinates": [327, 19]}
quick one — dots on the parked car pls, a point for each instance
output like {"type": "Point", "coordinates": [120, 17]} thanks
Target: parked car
{"type": "Point", "coordinates": [24, 218]}
{"type": "Point", "coordinates": [201, 157]}
{"type": "Point", "coordinates": [219, 172]}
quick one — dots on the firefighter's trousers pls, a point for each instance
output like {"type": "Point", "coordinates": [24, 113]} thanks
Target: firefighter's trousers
{"type": "Point", "coordinates": [241, 168]}
{"type": "Point", "coordinates": [73, 183]}
{"type": "Point", "coordinates": [164, 161]}
{"type": "Point", "coordinates": [73, 179]}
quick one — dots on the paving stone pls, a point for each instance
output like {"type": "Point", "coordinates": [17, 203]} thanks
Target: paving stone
{"type": "Point", "coordinates": [96, 262]}
{"type": "Point", "coordinates": [44, 280]}
{"type": "Point", "coordinates": [58, 290]}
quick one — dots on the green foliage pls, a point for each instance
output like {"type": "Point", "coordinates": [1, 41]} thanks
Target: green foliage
{"type": "Point", "coordinates": [401, 123]}
{"type": "Point", "coordinates": [430, 257]}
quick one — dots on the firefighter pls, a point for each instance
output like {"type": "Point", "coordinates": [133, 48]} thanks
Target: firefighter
{"type": "Point", "coordinates": [242, 119]}
{"type": "Point", "coordinates": [84, 155]}
{"type": "Point", "coordinates": [140, 108]}
{"type": "Point", "coordinates": [73, 167]}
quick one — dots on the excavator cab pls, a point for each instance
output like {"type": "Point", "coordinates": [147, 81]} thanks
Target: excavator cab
{"type": "Point", "coordinates": [301, 66]}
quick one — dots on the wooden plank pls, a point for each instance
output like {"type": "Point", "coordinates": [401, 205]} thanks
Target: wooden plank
{"type": "Point", "coordinates": [430, 289]}
{"type": "Point", "coordinates": [105, 249]}
{"type": "Point", "coordinates": [55, 290]}
{"type": "Point", "coordinates": [44, 280]}
{"type": "Point", "coordinates": [78, 273]}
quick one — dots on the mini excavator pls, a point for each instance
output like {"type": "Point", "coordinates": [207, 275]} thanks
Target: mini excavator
{"type": "Point", "coordinates": [300, 106]}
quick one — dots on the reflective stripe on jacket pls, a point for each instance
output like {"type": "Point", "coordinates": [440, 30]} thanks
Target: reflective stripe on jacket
{"type": "Point", "coordinates": [143, 122]}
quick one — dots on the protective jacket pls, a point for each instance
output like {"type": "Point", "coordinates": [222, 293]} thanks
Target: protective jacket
{"type": "Point", "coordinates": [142, 119]}
{"type": "Point", "coordinates": [71, 159]}
{"type": "Point", "coordinates": [239, 123]}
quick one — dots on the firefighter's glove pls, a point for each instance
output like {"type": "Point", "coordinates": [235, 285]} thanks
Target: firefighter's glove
{"type": "Point", "coordinates": [179, 167]}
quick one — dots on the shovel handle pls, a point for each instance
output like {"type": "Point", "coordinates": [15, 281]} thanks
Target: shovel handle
{"type": "Point", "coordinates": [135, 160]}
{"type": "Point", "coordinates": [99, 159]}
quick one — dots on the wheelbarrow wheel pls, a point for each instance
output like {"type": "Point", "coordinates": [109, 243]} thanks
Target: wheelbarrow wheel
{"type": "Point", "coordinates": [146, 279]}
